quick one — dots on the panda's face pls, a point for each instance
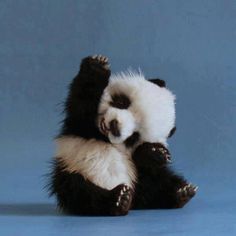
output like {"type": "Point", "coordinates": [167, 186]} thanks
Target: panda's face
{"type": "Point", "coordinates": [132, 108]}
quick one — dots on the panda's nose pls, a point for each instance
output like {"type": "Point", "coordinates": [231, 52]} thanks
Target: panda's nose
{"type": "Point", "coordinates": [114, 128]}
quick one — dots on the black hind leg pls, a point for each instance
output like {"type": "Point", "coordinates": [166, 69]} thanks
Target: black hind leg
{"type": "Point", "coordinates": [158, 186]}
{"type": "Point", "coordinates": [162, 190]}
{"type": "Point", "coordinates": [159, 191]}
{"type": "Point", "coordinates": [76, 195]}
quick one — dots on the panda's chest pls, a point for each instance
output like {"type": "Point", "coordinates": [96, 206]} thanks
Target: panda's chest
{"type": "Point", "coordinates": [99, 162]}
{"type": "Point", "coordinates": [108, 170]}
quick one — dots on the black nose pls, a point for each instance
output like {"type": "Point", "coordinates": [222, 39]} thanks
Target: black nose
{"type": "Point", "coordinates": [114, 128]}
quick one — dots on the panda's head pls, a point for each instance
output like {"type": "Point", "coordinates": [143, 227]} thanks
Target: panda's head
{"type": "Point", "coordinates": [133, 108]}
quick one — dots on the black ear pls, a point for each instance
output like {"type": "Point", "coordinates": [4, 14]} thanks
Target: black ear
{"type": "Point", "coordinates": [172, 132]}
{"type": "Point", "coordinates": [159, 82]}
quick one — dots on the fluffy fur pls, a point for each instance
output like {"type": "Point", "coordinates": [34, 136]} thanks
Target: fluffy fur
{"type": "Point", "coordinates": [111, 153]}
{"type": "Point", "coordinates": [151, 112]}
{"type": "Point", "coordinates": [99, 162]}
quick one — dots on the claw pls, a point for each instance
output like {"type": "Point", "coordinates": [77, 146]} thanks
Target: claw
{"type": "Point", "coordinates": [168, 158]}
{"type": "Point", "coordinates": [184, 192]}
{"type": "Point", "coordinates": [153, 149]}
{"type": "Point", "coordinates": [195, 188]}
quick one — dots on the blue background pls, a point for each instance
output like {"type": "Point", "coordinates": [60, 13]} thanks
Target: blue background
{"type": "Point", "coordinates": [189, 43]}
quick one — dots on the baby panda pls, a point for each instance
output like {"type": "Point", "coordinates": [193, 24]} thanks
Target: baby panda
{"type": "Point", "coordinates": [111, 152]}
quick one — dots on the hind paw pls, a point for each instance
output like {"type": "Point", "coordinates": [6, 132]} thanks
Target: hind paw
{"type": "Point", "coordinates": [123, 199]}
{"type": "Point", "coordinates": [185, 193]}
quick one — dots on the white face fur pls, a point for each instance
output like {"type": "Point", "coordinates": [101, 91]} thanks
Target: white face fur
{"type": "Point", "coordinates": [139, 106]}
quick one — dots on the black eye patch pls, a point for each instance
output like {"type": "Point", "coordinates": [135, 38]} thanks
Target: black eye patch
{"type": "Point", "coordinates": [131, 140]}
{"type": "Point", "coordinates": [172, 132]}
{"type": "Point", "coordinates": [120, 101]}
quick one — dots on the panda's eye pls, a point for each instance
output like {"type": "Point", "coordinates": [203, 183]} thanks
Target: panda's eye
{"type": "Point", "coordinates": [120, 101]}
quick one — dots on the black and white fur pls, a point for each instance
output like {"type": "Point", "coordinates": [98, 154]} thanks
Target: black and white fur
{"type": "Point", "coordinates": [111, 153]}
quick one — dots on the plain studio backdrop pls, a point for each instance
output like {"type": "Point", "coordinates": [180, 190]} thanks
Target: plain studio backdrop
{"type": "Point", "coordinates": [191, 44]}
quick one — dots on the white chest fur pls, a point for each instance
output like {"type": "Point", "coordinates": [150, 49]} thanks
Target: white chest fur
{"type": "Point", "coordinates": [102, 163]}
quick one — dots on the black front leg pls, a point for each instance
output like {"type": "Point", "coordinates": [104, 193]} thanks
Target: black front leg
{"type": "Point", "coordinates": [85, 91]}
{"type": "Point", "coordinates": [77, 195]}
{"type": "Point", "coordinates": [149, 155]}
{"type": "Point", "coordinates": [158, 186]}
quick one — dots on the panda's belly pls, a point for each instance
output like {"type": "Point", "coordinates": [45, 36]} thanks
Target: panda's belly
{"type": "Point", "coordinates": [101, 163]}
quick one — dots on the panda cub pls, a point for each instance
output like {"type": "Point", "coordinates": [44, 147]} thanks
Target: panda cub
{"type": "Point", "coordinates": [111, 152]}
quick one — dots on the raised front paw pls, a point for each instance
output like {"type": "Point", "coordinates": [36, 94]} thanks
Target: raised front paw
{"type": "Point", "coordinates": [184, 194]}
{"type": "Point", "coordinates": [96, 63]}
{"type": "Point", "coordinates": [101, 61]}
{"type": "Point", "coordinates": [122, 199]}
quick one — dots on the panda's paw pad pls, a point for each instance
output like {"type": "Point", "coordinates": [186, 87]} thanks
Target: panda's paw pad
{"type": "Point", "coordinates": [123, 199]}
{"type": "Point", "coordinates": [185, 193]}
{"type": "Point", "coordinates": [165, 153]}
{"type": "Point", "coordinates": [161, 153]}
{"type": "Point", "coordinates": [100, 61]}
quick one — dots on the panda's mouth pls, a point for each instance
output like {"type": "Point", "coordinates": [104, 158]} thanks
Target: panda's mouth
{"type": "Point", "coordinates": [104, 129]}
